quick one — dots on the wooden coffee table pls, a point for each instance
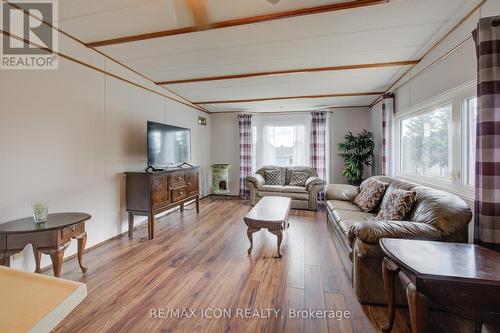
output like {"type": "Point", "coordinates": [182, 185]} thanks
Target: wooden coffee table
{"type": "Point", "coordinates": [461, 278]}
{"type": "Point", "coordinates": [270, 213]}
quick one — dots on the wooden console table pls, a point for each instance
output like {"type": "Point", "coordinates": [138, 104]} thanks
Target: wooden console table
{"type": "Point", "coordinates": [461, 278]}
{"type": "Point", "coordinates": [151, 193]}
{"type": "Point", "coordinates": [51, 237]}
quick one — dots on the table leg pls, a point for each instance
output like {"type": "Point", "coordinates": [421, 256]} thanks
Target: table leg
{"type": "Point", "coordinates": [57, 255]}
{"type": "Point", "coordinates": [389, 270]}
{"type": "Point", "coordinates": [130, 224]}
{"type": "Point", "coordinates": [250, 232]}
{"type": "Point", "coordinates": [197, 204]}
{"type": "Point", "coordinates": [82, 240]}
{"type": "Point", "coordinates": [151, 225]}
{"type": "Point", "coordinates": [181, 207]}
{"type": "Point", "coordinates": [279, 234]}
{"type": "Point", "coordinates": [417, 303]}
{"type": "Point", "coordinates": [38, 257]}
{"type": "Point", "coordinates": [5, 258]}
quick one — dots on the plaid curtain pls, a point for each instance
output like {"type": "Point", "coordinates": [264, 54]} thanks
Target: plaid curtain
{"type": "Point", "coordinates": [245, 125]}
{"type": "Point", "coordinates": [318, 143]}
{"type": "Point", "coordinates": [387, 117]}
{"type": "Point", "coordinates": [487, 182]}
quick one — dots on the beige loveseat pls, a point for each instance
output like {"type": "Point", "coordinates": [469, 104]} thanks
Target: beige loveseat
{"type": "Point", "coordinates": [436, 215]}
{"type": "Point", "coordinates": [303, 197]}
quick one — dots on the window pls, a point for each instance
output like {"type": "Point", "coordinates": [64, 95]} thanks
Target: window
{"type": "Point", "coordinates": [282, 141]}
{"type": "Point", "coordinates": [469, 118]}
{"type": "Point", "coordinates": [426, 144]}
{"type": "Point", "coordinates": [435, 141]}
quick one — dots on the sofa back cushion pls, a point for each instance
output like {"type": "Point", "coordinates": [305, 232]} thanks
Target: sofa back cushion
{"type": "Point", "coordinates": [282, 170]}
{"type": "Point", "coordinates": [309, 170]}
{"type": "Point", "coordinates": [441, 209]}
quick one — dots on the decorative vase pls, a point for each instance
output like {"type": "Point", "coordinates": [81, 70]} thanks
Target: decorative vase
{"type": "Point", "coordinates": [40, 212]}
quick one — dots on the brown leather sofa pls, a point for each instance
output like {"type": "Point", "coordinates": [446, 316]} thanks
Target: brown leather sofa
{"type": "Point", "coordinates": [436, 215]}
{"type": "Point", "coordinates": [303, 197]}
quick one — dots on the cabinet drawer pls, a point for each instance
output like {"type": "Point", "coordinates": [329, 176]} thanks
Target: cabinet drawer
{"type": "Point", "coordinates": [179, 193]}
{"type": "Point", "coordinates": [178, 179]}
{"type": "Point", "coordinates": [72, 230]}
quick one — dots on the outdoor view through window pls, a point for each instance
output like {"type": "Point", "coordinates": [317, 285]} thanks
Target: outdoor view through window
{"type": "Point", "coordinates": [426, 144]}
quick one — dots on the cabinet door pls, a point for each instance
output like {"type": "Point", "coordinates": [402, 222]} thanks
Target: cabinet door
{"type": "Point", "coordinates": [160, 190]}
{"type": "Point", "coordinates": [192, 182]}
{"type": "Point", "coordinates": [179, 193]}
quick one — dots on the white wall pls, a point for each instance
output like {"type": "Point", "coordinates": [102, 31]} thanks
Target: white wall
{"type": "Point", "coordinates": [225, 146]}
{"type": "Point", "coordinates": [225, 140]}
{"type": "Point", "coordinates": [341, 122]}
{"type": "Point", "coordinates": [67, 136]}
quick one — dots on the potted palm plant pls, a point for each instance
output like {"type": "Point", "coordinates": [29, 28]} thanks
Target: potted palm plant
{"type": "Point", "coordinates": [357, 153]}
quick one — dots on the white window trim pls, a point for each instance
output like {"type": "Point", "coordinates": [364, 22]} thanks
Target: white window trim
{"type": "Point", "coordinates": [455, 98]}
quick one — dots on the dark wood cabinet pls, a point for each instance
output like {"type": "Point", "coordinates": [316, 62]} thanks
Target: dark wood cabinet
{"type": "Point", "coordinates": [151, 193]}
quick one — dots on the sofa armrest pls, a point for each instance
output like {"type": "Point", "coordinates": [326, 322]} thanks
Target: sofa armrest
{"type": "Point", "coordinates": [372, 231]}
{"type": "Point", "coordinates": [311, 181]}
{"type": "Point", "coordinates": [341, 192]}
{"type": "Point", "coordinates": [256, 179]}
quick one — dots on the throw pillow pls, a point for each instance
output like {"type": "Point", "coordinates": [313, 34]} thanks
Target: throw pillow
{"type": "Point", "coordinates": [298, 178]}
{"type": "Point", "coordinates": [371, 195]}
{"type": "Point", "coordinates": [273, 177]}
{"type": "Point", "coordinates": [396, 205]}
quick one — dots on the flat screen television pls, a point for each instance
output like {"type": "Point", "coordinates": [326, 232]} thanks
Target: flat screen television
{"type": "Point", "coordinates": [168, 145]}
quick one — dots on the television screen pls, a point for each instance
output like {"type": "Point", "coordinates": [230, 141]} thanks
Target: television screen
{"type": "Point", "coordinates": [168, 145]}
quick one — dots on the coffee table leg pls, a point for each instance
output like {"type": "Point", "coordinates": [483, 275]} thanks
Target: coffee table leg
{"type": "Point", "coordinates": [417, 303]}
{"type": "Point", "coordinates": [250, 232]}
{"type": "Point", "coordinates": [82, 240]}
{"type": "Point", "coordinates": [38, 257]}
{"type": "Point", "coordinates": [279, 234]}
{"type": "Point", "coordinates": [389, 270]}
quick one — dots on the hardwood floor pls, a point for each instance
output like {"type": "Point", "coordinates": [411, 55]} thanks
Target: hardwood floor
{"type": "Point", "coordinates": [200, 262]}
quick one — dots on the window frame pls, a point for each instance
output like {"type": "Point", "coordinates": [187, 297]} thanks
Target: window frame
{"type": "Point", "coordinates": [457, 99]}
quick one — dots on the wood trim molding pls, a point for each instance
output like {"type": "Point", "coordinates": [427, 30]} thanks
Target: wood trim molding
{"type": "Point", "coordinates": [110, 58]}
{"type": "Point", "coordinates": [241, 21]}
{"type": "Point", "coordinates": [294, 71]}
{"type": "Point", "coordinates": [288, 97]}
{"type": "Point", "coordinates": [326, 108]}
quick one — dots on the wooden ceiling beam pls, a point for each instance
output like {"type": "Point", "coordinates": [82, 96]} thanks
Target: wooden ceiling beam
{"type": "Point", "coordinates": [293, 71]}
{"type": "Point", "coordinates": [241, 21]}
{"type": "Point", "coordinates": [288, 97]}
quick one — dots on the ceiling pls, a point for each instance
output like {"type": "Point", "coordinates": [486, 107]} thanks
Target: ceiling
{"type": "Point", "coordinates": [396, 31]}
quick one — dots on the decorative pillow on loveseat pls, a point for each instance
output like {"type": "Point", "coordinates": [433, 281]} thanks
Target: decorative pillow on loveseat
{"type": "Point", "coordinates": [396, 205]}
{"type": "Point", "coordinates": [272, 177]}
{"type": "Point", "coordinates": [298, 178]}
{"type": "Point", "coordinates": [371, 195]}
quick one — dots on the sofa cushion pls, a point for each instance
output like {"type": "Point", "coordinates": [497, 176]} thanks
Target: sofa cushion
{"type": "Point", "coordinates": [294, 189]}
{"type": "Point", "coordinates": [272, 177]}
{"type": "Point", "coordinates": [340, 204]}
{"type": "Point", "coordinates": [298, 178]}
{"type": "Point", "coordinates": [289, 170]}
{"type": "Point", "coordinates": [371, 195]}
{"type": "Point", "coordinates": [292, 195]}
{"type": "Point", "coordinates": [396, 205]}
{"type": "Point", "coordinates": [341, 192]}
{"type": "Point", "coordinates": [341, 215]}
{"type": "Point", "coordinates": [271, 188]}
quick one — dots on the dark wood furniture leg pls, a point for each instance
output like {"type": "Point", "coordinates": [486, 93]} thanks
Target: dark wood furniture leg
{"type": "Point", "coordinates": [279, 234]}
{"type": "Point", "coordinates": [38, 257]}
{"type": "Point", "coordinates": [417, 303]}
{"type": "Point", "coordinates": [82, 240]}
{"type": "Point", "coordinates": [130, 224]}
{"type": "Point", "coordinates": [389, 269]}
{"type": "Point", "coordinates": [197, 204]}
{"type": "Point", "coordinates": [181, 207]}
{"type": "Point", "coordinates": [57, 255]}
{"type": "Point", "coordinates": [250, 232]}
{"type": "Point", "coordinates": [151, 225]}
